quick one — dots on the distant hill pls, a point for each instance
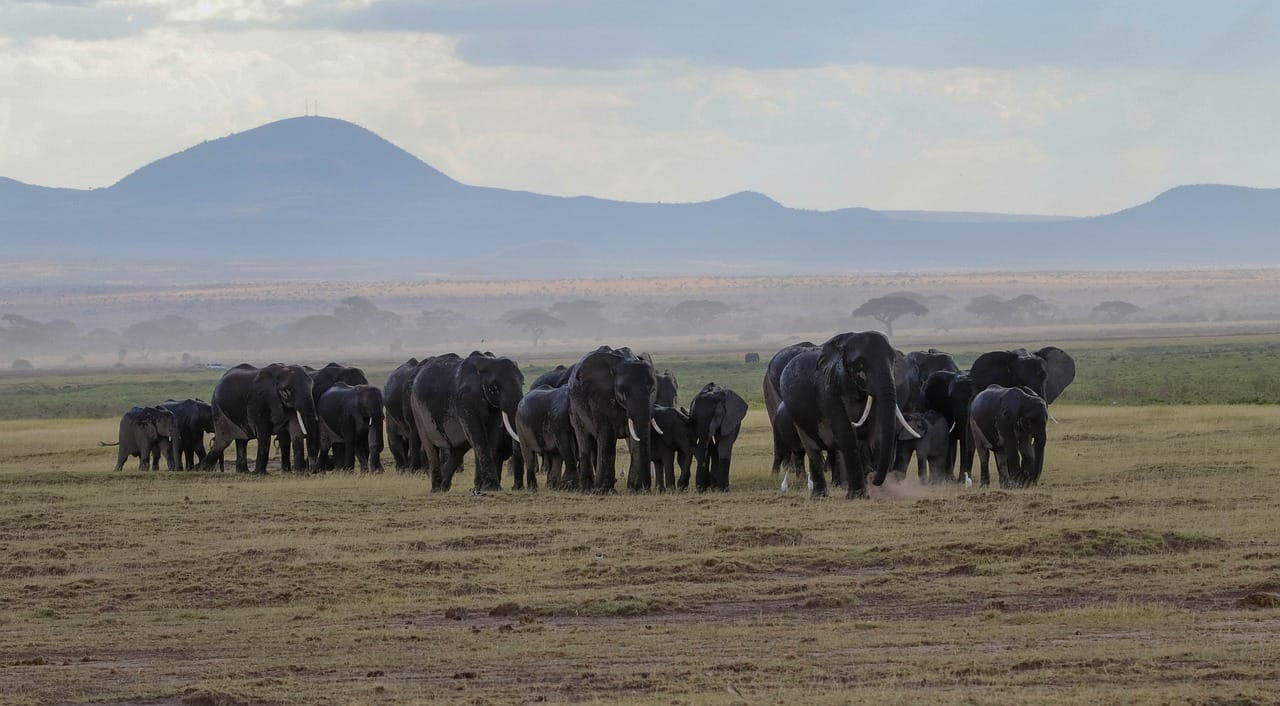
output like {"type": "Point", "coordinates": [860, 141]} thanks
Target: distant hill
{"type": "Point", "coordinates": [319, 190]}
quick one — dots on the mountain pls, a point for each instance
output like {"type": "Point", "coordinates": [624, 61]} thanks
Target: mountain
{"type": "Point", "coordinates": [319, 190]}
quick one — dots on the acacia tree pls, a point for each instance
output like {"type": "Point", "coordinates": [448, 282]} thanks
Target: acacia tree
{"type": "Point", "coordinates": [534, 321]}
{"type": "Point", "coordinates": [1116, 310]}
{"type": "Point", "coordinates": [888, 309]}
{"type": "Point", "coordinates": [697, 312]}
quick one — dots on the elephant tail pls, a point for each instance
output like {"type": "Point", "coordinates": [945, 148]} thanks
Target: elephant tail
{"type": "Point", "coordinates": [108, 443]}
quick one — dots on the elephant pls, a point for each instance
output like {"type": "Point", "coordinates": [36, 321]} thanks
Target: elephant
{"type": "Point", "coordinates": [321, 381]}
{"type": "Point", "coordinates": [555, 377]}
{"type": "Point", "coordinates": [462, 404]}
{"type": "Point", "coordinates": [612, 392]}
{"type": "Point", "coordinates": [717, 414]}
{"type": "Point", "coordinates": [920, 365]}
{"type": "Point", "coordinates": [399, 414]}
{"type": "Point", "coordinates": [194, 418]}
{"type": "Point", "coordinates": [1047, 372]}
{"type": "Point", "coordinates": [930, 444]}
{"type": "Point", "coordinates": [146, 432]}
{"type": "Point", "coordinates": [667, 387]}
{"type": "Point", "coordinates": [252, 403]}
{"type": "Point", "coordinates": [751, 358]}
{"type": "Point", "coordinates": [773, 398]}
{"type": "Point", "coordinates": [949, 394]}
{"type": "Point", "coordinates": [676, 445]}
{"type": "Point", "coordinates": [1010, 422]}
{"type": "Point", "coordinates": [544, 429]}
{"type": "Point", "coordinates": [842, 399]}
{"type": "Point", "coordinates": [351, 420]}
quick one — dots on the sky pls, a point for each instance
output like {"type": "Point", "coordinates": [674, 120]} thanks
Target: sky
{"type": "Point", "coordinates": [1074, 108]}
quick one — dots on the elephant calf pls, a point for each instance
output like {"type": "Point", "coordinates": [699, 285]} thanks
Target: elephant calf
{"type": "Point", "coordinates": [1010, 421]}
{"type": "Point", "coordinates": [353, 417]}
{"type": "Point", "coordinates": [145, 431]}
{"type": "Point", "coordinates": [673, 444]}
{"type": "Point", "coordinates": [544, 429]}
{"type": "Point", "coordinates": [930, 447]}
{"type": "Point", "coordinates": [717, 414]}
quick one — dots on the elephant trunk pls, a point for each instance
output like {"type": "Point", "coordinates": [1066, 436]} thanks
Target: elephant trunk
{"type": "Point", "coordinates": [1037, 465]}
{"type": "Point", "coordinates": [884, 436]}
{"type": "Point", "coordinates": [639, 433]}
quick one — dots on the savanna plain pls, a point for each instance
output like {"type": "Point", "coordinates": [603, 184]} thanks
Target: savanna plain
{"type": "Point", "coordinates": [1145, 568]}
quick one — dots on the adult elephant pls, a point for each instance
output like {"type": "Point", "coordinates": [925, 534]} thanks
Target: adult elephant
{"type": "Point", "coordinates": [717, 414]}
{"type": "Point", "coordinates": [252, 403]}
{"type": "Point", "coordinates": [667, 389]}
{"type": "Point", "coordinates": [676, 445]}
{"type": "Point", "coordinates": [1047, 372]}
{"type": "Point", "coordinates": [611, 395]}
{"type": "Point", "coordinates": [555, 377]}
{"type": "Point", "coordinates": [193, 418]}
{"type": "Point", "coordinates": [920, 365]}
{"type": "Point", "coordinates": [751, 358]}
{"type": "Point", "coordinates": [546, 434]}
{"type": "Point", "coordinates": [949, 394]}
{"type": "Point", "coordinates": [351, 420]}
{"type": "Point", "coordinates": [773, 394]}
{"type": "Point", "coordinates": [838, 391]}
{"type": "Point", "coordinates": [401, 432]}
{"type": "Point", "coordinates": [1010, 422]}
{"type": "Point", "coordinates": [145, 432]}
{"type": "Point", "coordinates": [465, 404]}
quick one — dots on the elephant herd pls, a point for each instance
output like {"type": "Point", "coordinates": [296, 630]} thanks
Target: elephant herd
{"type": "Point", "coordinates": [436, 410]}
{"type": "Point", "coordinates": [853, 407]}
{"type": "Point", "coordinates": [857, 408]}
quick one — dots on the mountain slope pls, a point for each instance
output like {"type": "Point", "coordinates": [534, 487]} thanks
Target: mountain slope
{"type": "Point", "coordinates": [319, 189]}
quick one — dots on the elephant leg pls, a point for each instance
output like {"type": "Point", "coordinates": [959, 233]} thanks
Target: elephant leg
{"type": "Point", "coordinates": [122, 455]}
{"type": "Point", "coordinates": [685, 460]}
{"type": "Point", "coordinates": [983, 454]}
{"type": "Point", "coordinates": [242, 455]}
{"type": "Point", "coordinates": [530, 470]}
{"type": "Point", "coordinates": [724, 457]}
{"type": "Point", "coordinates": [1002, 467]}
{"type": "Point", "coordinates": [451, 464]}
{"type": "Point", "coordinates": [264, 453]}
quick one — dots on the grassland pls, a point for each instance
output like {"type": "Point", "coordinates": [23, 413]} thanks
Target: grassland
{"type": "Point", "coordinates": [1145, 570]}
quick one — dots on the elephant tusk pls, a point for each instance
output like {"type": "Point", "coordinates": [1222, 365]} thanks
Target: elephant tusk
{"type": "Point", "coordinates": [506, 422]}
{"type": "Point", "coordinates": [301, 423]}
{"type": "Point", "coordinates": [866, 412]}
{"type": "Point", "coordinates": [654, 423]}
{"type": "Point", "coordinates": [951, 428]}
{"type": "Point", "coordinates": [897, 411]}
{"type": "Point", "coordinates": [631, 427]}
{"type": "Point", "coordinates": [1052, 418]}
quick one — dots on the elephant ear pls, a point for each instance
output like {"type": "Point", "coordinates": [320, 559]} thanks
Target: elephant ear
{"type": "Point", "coordinates": [900, 380]}
{"type": "Point", "coordinates": [1060, 369]}
{"type": "Point", "coordinates": [735, 410]}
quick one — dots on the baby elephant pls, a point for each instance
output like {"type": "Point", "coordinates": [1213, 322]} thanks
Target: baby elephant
{"type": "Point", "coordinates": [717, 414]}
{"type": "Point", "coordinates": [1010, 422]}
{"type": "Point", "coordinates": [930, 448]}
{"type": "Point", "coordinates": [352, 418]}
{"type": "Point", "coordinates": [144, 430]}
{"type": "Point", "coordinates": [674, 446]}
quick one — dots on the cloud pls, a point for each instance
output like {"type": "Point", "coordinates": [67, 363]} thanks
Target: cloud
{"type": "Point", "coordinates": [588, 34]}
{"type": "Point", "coordinates": [84, 112]}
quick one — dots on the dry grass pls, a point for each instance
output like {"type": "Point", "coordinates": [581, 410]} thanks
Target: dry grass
{"type": "Point", "coordinates": [1119, 580]}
